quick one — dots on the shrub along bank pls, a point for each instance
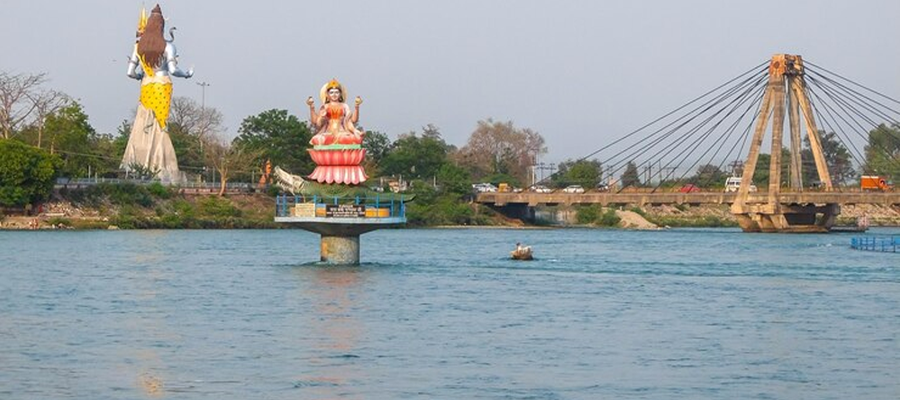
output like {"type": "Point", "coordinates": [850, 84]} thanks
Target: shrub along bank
{"type": "Point", "coordinates": [129, 206]}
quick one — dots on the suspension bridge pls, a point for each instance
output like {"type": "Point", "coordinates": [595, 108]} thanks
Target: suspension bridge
{"type": "Point", "coordinates": [731, 122]}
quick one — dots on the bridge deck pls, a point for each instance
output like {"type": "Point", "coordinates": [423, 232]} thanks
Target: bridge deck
{"type": "Point", "coordinates": [534, 199]}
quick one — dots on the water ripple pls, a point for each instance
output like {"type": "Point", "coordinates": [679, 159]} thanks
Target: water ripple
{"type": "Point", "coordinates": [697, 313]}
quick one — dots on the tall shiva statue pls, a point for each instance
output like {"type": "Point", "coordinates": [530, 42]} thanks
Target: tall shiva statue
{"type": "Point", "coordinates": [154, 59]}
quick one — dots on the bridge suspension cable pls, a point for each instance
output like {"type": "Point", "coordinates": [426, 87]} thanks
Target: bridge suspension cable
{"type": "Point", "coordinates": [854, 111]}
{"type": "Point", "coordinates": [667, 148]}
{"type": "Point", "coordinates": [672, 134]}
{"type": "Point", "coordinates": [714, 127]}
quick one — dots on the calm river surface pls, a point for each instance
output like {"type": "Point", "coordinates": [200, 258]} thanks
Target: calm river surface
{"type": "Point", "coordinates": [442, 314]}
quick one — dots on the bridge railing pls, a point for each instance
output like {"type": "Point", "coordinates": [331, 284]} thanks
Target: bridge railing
{"type": "Point", "coordinates": [697, 189]}
{"type": "Point", "coordinates": [876, 243]}
{"type": "Point", "coordinates": [381, 206]}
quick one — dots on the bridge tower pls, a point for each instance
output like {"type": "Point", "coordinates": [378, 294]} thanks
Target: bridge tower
{"type": "Point", "coordinates": [764, 212]}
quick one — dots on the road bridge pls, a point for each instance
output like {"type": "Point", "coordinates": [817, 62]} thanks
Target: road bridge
{"type": "Point", "coordinates": [803, 211]}
{"type": "Point", "coordinates": [782, 99]}
{"type": "Point", "coordinates": [658, 198]}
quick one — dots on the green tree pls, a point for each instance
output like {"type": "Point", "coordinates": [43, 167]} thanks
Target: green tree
{"type": "Point", "coordinates": [453, 179]}
{"type": "Point", "coordinates": [120, 141]}
{"type": "Point", "coordinates": [709, 176]}
{"type": "Point", "coordinates": [188, 148]}
{"type": "Point", "coordinates": [109, 151]}
{"type": "Point", "coordinates": [432, 207]}
{"type": "Point", "coordinates": [416, 156]}
{"type": "Point", "coordinates": [27, 174]}
{"type": "Point", "coordinates": [377, 145]}
{"type": "Point", "coordinates": [883, 152]}
{"type": "Point", "coordinates": [631, 176]}
{"type": "Point", "coordinates": [279, 137]}
{"type": "Point", "coordinates": [587, 173]}
{"type": "Point", "coordinates": [70, 135]}
{"type": "Point", "coordinates": [837, 158]}
{"type": "Point", "coordinates": [761, 173]}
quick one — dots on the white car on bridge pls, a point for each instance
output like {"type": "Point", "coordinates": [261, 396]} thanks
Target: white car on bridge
{"type": "Point", "coordinates": [733, 184]}
{"type": "Point", "coordinates": [484, 188]}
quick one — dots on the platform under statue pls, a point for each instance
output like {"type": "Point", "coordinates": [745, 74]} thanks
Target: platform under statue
{"type": "Point", "coordinates": [331, 200]}
{"type": "Point", "coordinates": [149, 153]}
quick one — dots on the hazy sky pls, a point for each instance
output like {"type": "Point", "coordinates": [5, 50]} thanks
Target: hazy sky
{"type": "Point", "coordinates": [581, 73]}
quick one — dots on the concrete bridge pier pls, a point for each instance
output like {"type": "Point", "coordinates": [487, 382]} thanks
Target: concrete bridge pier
{"type": "Point", "coordinates": [339, 237]}
{"type": "Point", "coordinates": [340, 249]}
{"type": "Point", "coordinates": [793, 218]}
{"type": "Point", "coordinates": [339, 241]}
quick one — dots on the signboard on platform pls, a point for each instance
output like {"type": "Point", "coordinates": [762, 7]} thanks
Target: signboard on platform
{"type": "Point", "coordinates": [305, 210]}
{"type": "Point", "coordinates": [345, 211]}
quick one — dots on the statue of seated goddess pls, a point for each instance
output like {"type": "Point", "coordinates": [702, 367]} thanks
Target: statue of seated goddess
{"type": "Point", "coordinates": [337, 145]}
{"type": "Point", "coordinates": [335, 123]}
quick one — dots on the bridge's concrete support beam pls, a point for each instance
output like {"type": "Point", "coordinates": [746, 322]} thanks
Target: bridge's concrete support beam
{"type": "Point", "coordinates": [791, 212]}
{"type": "Point", "coordinates": [791, 218]}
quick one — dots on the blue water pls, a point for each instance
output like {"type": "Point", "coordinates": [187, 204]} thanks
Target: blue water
{"type": "Point", "coordinates": [442, 314]}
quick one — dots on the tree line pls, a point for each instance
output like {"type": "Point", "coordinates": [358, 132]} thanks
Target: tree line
{"type": "Point", "coordinates": [52, 129]}
{"type": "Point", "coordinates": [46, 128]}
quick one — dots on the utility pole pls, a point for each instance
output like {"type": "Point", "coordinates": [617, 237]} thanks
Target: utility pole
{"type": "Point", "coordinates": [546, 167]}
{"type": "Point", "coordinates": [648, 172]}
{"type": "Point", "coordinates": [737, 168]}
{"type": "Point", "coordinates": [203, 86]}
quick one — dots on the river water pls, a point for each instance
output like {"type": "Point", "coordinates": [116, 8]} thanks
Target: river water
{"type": "Point", "coordinates": [442, 314]}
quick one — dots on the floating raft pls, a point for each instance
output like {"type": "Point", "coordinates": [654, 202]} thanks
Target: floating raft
{"type": "Point", "coordinates": [889, 244]}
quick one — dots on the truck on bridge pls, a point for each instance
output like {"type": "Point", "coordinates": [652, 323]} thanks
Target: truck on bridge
{"type": "Point", "coordinates": [874, 182]}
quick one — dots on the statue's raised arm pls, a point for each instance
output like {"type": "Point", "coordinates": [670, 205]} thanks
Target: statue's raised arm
{"type": "Point", "coordinates": [355, 117]}
{"type": "Point", "coordinates": [172, 63]}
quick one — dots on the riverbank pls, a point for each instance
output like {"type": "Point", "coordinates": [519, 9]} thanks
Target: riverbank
{"type": "Point", "coordinates": [686, 216]}
{"type": "Point", "coordinates": [150, 207]}
{"type": "Point", "coordinates": [157, 207]}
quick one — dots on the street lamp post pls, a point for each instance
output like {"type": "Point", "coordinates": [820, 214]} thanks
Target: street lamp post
{"type": "Point", "coordinates": [203, 86]}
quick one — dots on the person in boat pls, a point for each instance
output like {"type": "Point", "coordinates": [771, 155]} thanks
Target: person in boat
{"type": "Point", "coordinates": [521, 252]}
{"type": "Point", "coordinates": [334, 122]}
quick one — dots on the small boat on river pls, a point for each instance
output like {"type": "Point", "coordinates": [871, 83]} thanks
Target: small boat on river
{"type": "Point", "coordinates": [521, 253]}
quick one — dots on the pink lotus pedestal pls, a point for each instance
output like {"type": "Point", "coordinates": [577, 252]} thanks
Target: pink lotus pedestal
{"type": "Point", "coordinates": [338, 166]}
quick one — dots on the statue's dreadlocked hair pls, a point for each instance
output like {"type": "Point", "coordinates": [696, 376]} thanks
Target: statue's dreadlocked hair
{"type": "Point", "coordinates": [152, 44]}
